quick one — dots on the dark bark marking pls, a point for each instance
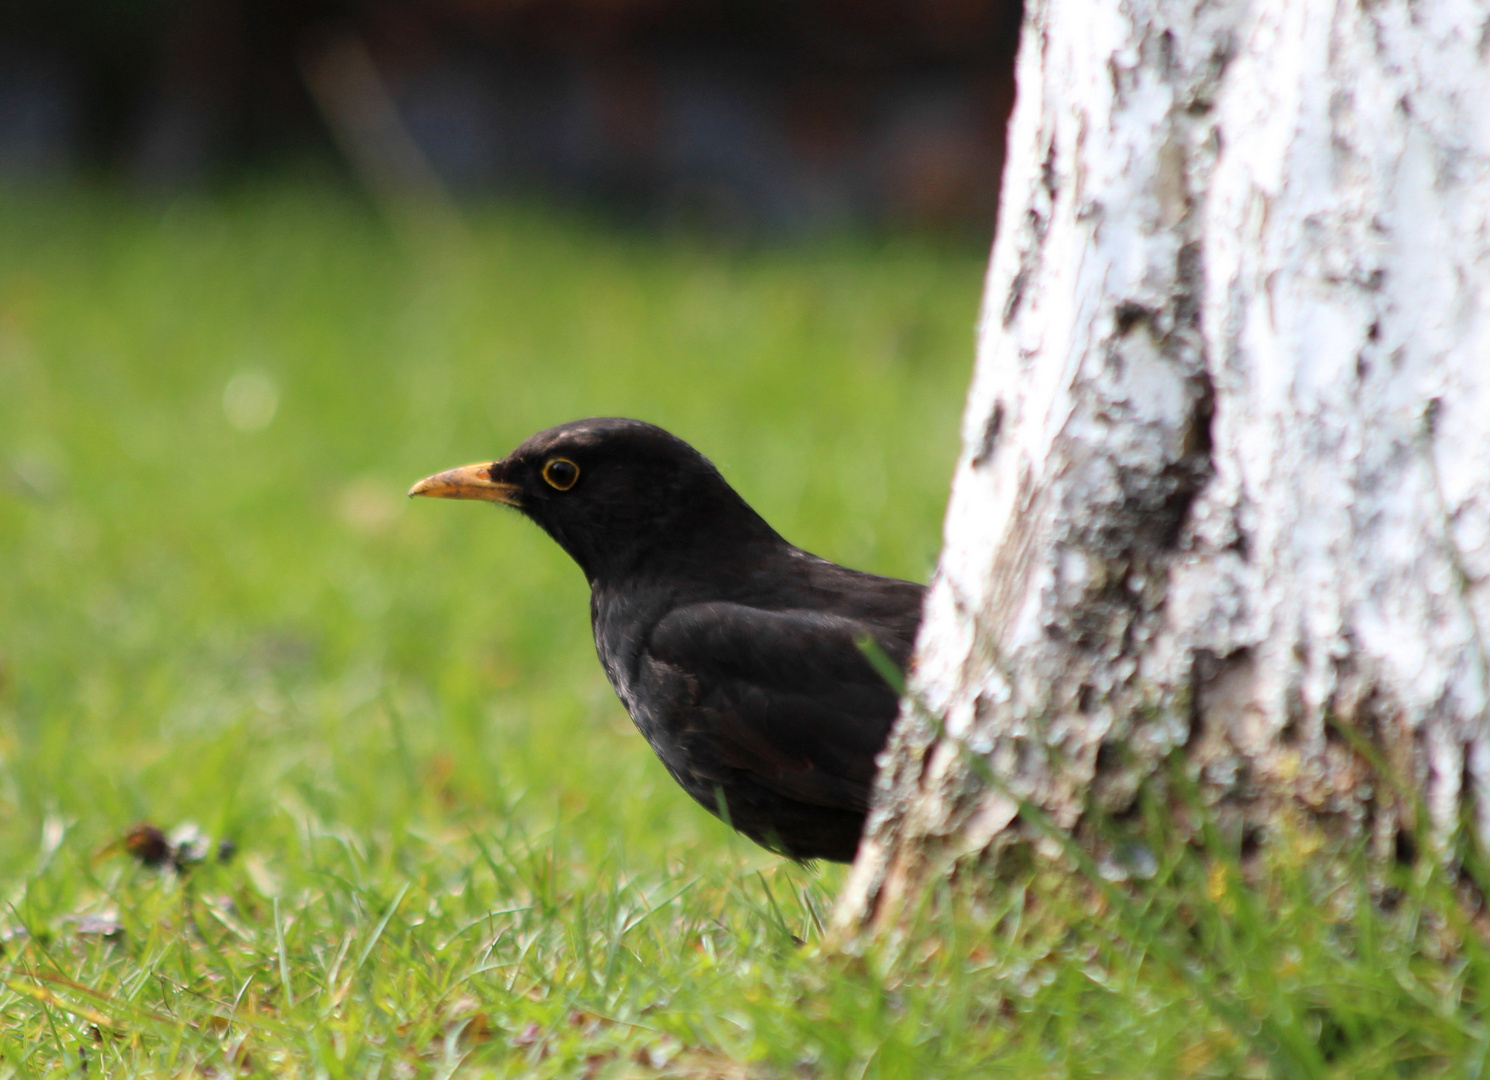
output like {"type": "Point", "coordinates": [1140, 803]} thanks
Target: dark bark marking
{"type": "Point", "coordinates": [1129, 314]}
{"type": "Point", "coordinates": [1362, 361]}
{"type": "Point", "coordinates": [1016, 294]}
{"type": "Point", "coordinates": [1182, 479]}
{"type": "Point", "coordinates": [1048, 176]}
{"type": "Point", "coordinates": [1404, 847]}
{"type": "Point", "coordinates": [1190, 282]}
{"type": "Point", "coordinates": [1203, 95]}
{"type": "Point", "coordinates": [991, 431]}
{"type": "Point", "coordinates": [1037, 223]}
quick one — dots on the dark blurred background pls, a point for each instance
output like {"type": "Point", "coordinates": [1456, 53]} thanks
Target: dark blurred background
{"type": "Point", "coordinates": [771, 116]}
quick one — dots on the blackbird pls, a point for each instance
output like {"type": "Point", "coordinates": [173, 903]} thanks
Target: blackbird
{"type": "Point", "coordinates": [742, 659]}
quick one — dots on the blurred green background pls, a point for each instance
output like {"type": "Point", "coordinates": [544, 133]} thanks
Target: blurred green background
{"type": "Point", "coordinates": [209, 415]}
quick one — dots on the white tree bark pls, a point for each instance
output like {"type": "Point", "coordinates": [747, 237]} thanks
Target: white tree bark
{"type": "Point", "coordinates": [1226, 472]}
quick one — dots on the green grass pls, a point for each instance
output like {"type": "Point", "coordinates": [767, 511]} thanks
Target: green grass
{"type": "Point", "coordinates": [454, 853]}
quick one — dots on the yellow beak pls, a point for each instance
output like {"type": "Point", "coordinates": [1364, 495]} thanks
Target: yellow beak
{"type": "Point", "coordinates": [468, 482]}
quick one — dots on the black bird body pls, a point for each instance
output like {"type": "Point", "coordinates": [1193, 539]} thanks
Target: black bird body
{"type": "Point", "coordinates": [737, 655]}
{"type": "Point", "coordinates": [755, 691]}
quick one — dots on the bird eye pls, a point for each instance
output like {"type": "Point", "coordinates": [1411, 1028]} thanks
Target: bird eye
{"type": "Point", "coordinates": [560, 473]}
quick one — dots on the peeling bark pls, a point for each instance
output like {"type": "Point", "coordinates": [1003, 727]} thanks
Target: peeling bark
{"type": "Point", "coordinates": [1225, 485]}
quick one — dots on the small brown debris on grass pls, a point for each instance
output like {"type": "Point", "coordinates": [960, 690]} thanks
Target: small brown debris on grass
{"type": "Point", "coordinates": [185, 846]}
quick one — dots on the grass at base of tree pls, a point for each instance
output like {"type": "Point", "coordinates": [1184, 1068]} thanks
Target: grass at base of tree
{"type": "Point", "coordinates": [454, 855]}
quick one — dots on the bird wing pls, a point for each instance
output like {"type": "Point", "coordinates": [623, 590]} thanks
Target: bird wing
{"type": "Point", "coordinates": [785, 696]}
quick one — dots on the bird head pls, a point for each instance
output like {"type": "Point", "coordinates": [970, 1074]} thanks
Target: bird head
{"type": "Point", "coordinates": [613, 493]}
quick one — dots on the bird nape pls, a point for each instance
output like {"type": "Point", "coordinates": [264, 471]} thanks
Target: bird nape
{"type": "Point", "coordinates": [740, 657]}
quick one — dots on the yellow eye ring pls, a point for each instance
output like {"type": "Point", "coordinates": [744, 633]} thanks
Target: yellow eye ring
{"type": "Point", "coordinates": [560, 473]}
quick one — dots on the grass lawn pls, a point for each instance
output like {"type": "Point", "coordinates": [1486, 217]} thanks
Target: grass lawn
{"type": "Point", "coordinates": [453, 853]}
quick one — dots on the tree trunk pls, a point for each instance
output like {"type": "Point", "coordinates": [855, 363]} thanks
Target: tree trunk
{"type": "Point", "coordinates": [1225, 480]}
